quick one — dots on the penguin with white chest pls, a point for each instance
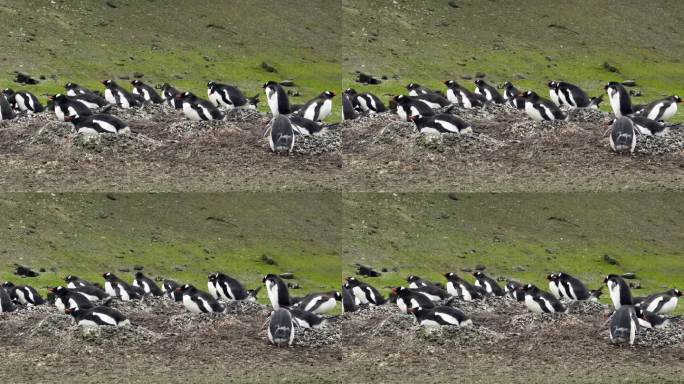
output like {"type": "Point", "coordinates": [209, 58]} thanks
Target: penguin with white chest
{"type": "Point", "coordinates": [148, 93]}
{"type": "Point", "coordinates": [320, 303]}
{"type": "Point", "coordinates": [306, 319]}
{"type": "Point", "coordinates": [554, 285]}
{"type": "Point", "coordinates": [147, 285]}
{"type": "Point", "coordinates": [306, 127]}
{"type": "Point", "coordinates": [98, 316]}
{"type": "Point", "coordinates": [6, 304]}
{"type": "Point", "coordinates": [97, 124]}
{"type": "Point", "coordinates": [66, 106]}
{"type": "Point", "coordinates": [540, 109]}
{"type": "Point", "coordinates": [365, 102]}
{"type": "Point", "coordinates": [415, 89]}
{"type": "Point", "coordinates": [6, 112]}
{"type": "Point", "coordinates": [222, 286]}
{"type": "Point", "coordinates": [651, 320]}
{"type": "Point", "coordinates": [170, 96]}
{"type": "Point", "coordinates": [66, 298]}
{"type": "Point", "coordinates": [572, 288]}
{"type": "Point", "coordinates": [170, 287]}
{"type": "Point", "coordinates": [198, 302]}
{"type": "Point", "coordinates": [23, 294]}
{"type": "Point", "coordinates": [439, 316]}
{"type": "Point", "coordinates": [277, 291]}
{"type": "Point", "coordinates": [227, 96]}
{"type": "Point", "coordinates": [433, 292]}
{"type": "Point", "coordinates": [75, 281]}
{"type": "Point", "coordinates": [23, 101]}
{"type": "Point", "coordinates": [490, 285]}
{"type": "Point", "coordinates": [510, 91]}
{"type": "Point", "coordinates": [84, 96]}
{"type": "Point", "coordinates": [462, 289]}
{"type": "Point", "coordinates": [648, 127]}
{"type": "Point", "coordinates": [441, 123]}
{"type": "Point", "coordinates": [319, 108]}
{"type": "Point", "coordinates": [624, 325]}
{"type": "Point", "coordinates": [539, 301]}
{"type": "Point", "coordinates": [408, 299]}
{"type": "Point", "coordinates": [120, 289]}
{"type": "Point", "coordinates": [515, 290]}
{"type": "Point", "coordinates": [623, 135]}
{"type": "Point", "coordinates": [116, 95]}
{"type": "Point", "coordinates": [433, 100]}
{"type": "Point", "coordinates": [664, 302]}
{"type": "Point", "coordinates": [365, 293]}
{"type": "Point", "coordinates": [490, 93]}
{"type": "Point", "coordinates": [662, 109]}
{"type": "Point", "coordinates": [281, 330]}
{"type": "Point", "coordinates": [462, 97]}
{"type": "Point", "coordinates": [277, 99]}
{"type": "Point", "coordinates": [197, 109]}
{"type": "Point", "coordinates": [570, 95]}
{"type": "Point", "coordinates": [620, 101]}
{"type": "Point", "coordinates": [619, 291]}
{"type": "Point", "coordinates": [408, 107]}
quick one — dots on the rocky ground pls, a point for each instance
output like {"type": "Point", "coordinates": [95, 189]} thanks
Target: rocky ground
{"type": "Point", "coordinates": [507, 152]}
{"type": "Point", "coordinates": [167, 344]}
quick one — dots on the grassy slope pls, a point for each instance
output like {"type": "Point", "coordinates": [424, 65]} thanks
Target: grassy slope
{"type": "Point", "coordinates": [430, 234]}
{"type": "Point", "coordinates": [428, 41]}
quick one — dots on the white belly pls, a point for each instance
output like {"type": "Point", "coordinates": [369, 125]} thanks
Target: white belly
{"type": "Point", "coordinates": [191, 305]}
{"type": "Point", "coordinates": [109, 96]}
{"type": "Point", "coordinates": [615, 103]}
{"type": "Point", "coordinates": [451, 96]}
{"type": "Point", "coordinates": [272, 99]}
{"type": "Point", "coordinates": [191, 113]}
{"type": "Point", "coordinates": [325, 110]}
{"type": "Point", "coordinates": [533, 112]}
{"type": "Point", "coordinates": [533, 305]}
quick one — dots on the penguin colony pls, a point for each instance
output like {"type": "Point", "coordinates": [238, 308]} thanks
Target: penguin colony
{"type": "Point", "coordinates": [289, 121]}
{"type": "Point", "coordinates": [430, 302]}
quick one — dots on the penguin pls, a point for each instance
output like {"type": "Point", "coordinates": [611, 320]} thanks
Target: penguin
{"type": "Point", "coordinates": [89, 291]}
{"type": "Point", "coordinates": [118, 288]}
{"type": "Point", "coordinates": [6, 112]}
{"type": "Point", "coordinates": [277, 291]}
{"type": "Point", "coordinates": [408, 107]}
{"type": "Point", "coordinates": [23, 294]}
{"type": "Point", "coordinates": [226, 287]}
{"type": "Point", "coordinates": [23, 101]}
{"type": "Point", "coordinates": [282, 136]}
{"type": "Point", "coordinates": [97, 316]}
{"type": "Point", "coordinates": [572, 288]}
{"type": "Point", "coordinates": [432, 292]}
{"type": "Point", "coordinates": [348, 111]}
{"type": "Point", "coordinates": [462, 97]}
{"type": "Point", "coordinates": [441, 123]}
{"type": "Point", "coordinates": [510, 91]}
{"type": "Point", "coordinates": [554, 285]}
{"type": "Point", "coordinates": [120, 97]}
{"type": "Point", "coordinates": [228, 96]}
{"type": "Point", "coordinates": [170, 96]}
{"type": "Point", "coordinates": [100, 123]}
{"type": "Point", "coordinates": [649, 127]}
{"type": "Point", "coordinates": [305, 127]}
{"type": "Point", "coordinates": [281, 331]}
{"type": "Point", "coordinates": [661, 109]}
{"type": "Point", "coordinates": [198, 302]}
{"type": "Point", "coordinates": [443, 315]}
{"type": "Point", "coordinates": [554, 95]}
{"type": "Point", "coordinates": [66, 106]}
{"type": "Point", "coordinates": [66, 298]}
{"type": "Point", "coordinates": [515, 290]}
{"type": "Point", "coordinates": [75, 281]}
{"type": "Point", "coordinates": [349, 301]}
{"type": "Point", "coordinates": [490, 285]}
{"type": "Point", "coordinates": [146, 92]}
{"type": "Point", "coordinates": [619, 291]}
{"type": "Point", "coordinates": [416, 89]}
{"type": "Point", "coordinates": [319, 108]}
{"type": "Point", "coordinates": [619, 98]}
{"type": "Point", "coordinates": [490, 93]}
{"type": "Point", "coordinates": [541, 109]}
{"type": "Point", "coordinates": [197, 109]}
{"type": "Point", "coordinates": [571, 95]}
{"type": "Point", "coordinates": [366, 294]}
{"type": "Point", "coordinates": [148, 285]}
{"type": "Point", "coordinates": [460, 288]}
{"type": "Point", "coordinates": [433, 100]}
{"type": "Point", "coordinates": [416, 282]}
{"type": "Point", "coordinates": [539, 301]}
{"type": "Point", "coordinates": [73, 89]}
{"type": "Point", "coordinates": [651, 320]}
{"type": "Point", "coordinates": [306, 319]}
{"type": "Point", "coordinates": [624, 325]}
{"type": "Point", "coordinates": [170, 290]}
{"type": "Point", "coordinates": [84, 96]}
{"type": "Point", "coordinates": [6, 304]}
{"type": "Point", "coordinates": [622, 135]}
{"type": "Point", "coordinates": [595, 295]}
{"type": "Point", "coordinates": [277, 99]}
{"type": "Point", "coordinates": [407, 299]}
{"type": "Point", "coordinates": [320, 303]}
{"type": "Point", "coordinates": [365, 102]}
{"type": "Point", "coordinates": [661, 303]}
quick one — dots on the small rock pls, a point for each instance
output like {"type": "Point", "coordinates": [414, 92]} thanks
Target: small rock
{"type": "Point", "coordinates": [453, 196]}
{"type": "Point", "coordinates": [519, 268]}
{"type": "Point", "coordinates": [466, 77]}
{"type": "Point", "coordinates": [635, 92]}
{"type": "Point", "coordinates": [287, 275]}
{"type": "Point", "coordinates": [124, 269]}
{"type": "Point", "coordinates": [111, 4]}
{"type": "Point", "coordinates": [178, 268]}
{"type": "Point", "coordinates": [629, 275]}
{"type": "Point", "coordinates": [268, 260]}
{"type": "Point", "coordinates": [629, 83]}
{"type": "Point", "coordinates": [384, 270]}
{"type": "Point", "coordinates": [548, 58]}
{"type": "Point", "coordinates": [125, 77]}
{"type": "Point", "coordinates": [287, 83]}
{"type": "Point", "coordinates": [268, 67]}
{"type": "Point", "coordinates": [609, 67]}
{"type": "Point", "coordinates": [550, 251]}
{"type": "Point", "coordinates": [110, 196]}
{"type": "Point", "coordinates": [453, 4]}
{"type": "Point", "coordinates": [480, 75]}
{"type": "Point", "coordinates": [138, 75]}
{"type": "Point", "coordinates": [138, 267]}
{"type": "Point", "coordinates": [466, 269]}
{"type": "Point", "coordinates": [610, 260]}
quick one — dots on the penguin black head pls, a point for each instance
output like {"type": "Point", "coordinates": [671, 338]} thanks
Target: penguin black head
{"type": "Point", "coordinates": [412, 86]}
{"type": "Point", "coordinates": [532, 95]}
{"type": "Point", "coordinates": [449, 274]}
{"type": "Point", "coordinates": [8, 92]}
{"type": "Point", "coordinates": [350, 91]}
{"type": "Point", "coordinates": [211, 84]}
{"type": "Point", "coordinates": [449, 82]}
{"type": "Point", "coordinates": [677, 99]}
{"type": "Point", "coordinates": [480, 82]}
{"type": "Point", "coordinates": [478, 274]}
{"type": "Point", "coordinates": [530, 288]}
{"type": "Point", "coordinates": [553, 85]}
{"type": "Point", "coordinates": [136, 82]}
{"type": "Point", "coordinates": [507, 84]}
{"type": "Point", "coordinates": [70, 85]}
{"type": "Point", "coordinates": [328, 94]}
{"type": "Point", "coordinates": [71, 278]}
{"type": "Point", "coordinates": [185, 288]}
{"type": "Point", "coordinates": [412, 278]}
{"type": "Point", "coordinates": [212, 277]}
{"type": "Point", "coordinates": [139, 275]}
{"type": "Point", "coordinates": [184, 96]}
{"type": "Point", "coordinates": [551, 277]}
{"type": "Point", "coordinates": [7, 284]}
{"type": "Point", "coordinates": [108, 276]}
{"type": "Point", "coordinates": [269, 83]}
{"type": "Point", "coordinates": [676, 292]}
{"type": "Point", "coordinates": [337, 295]}
{"type": "Point", "coordinates": [108, 83]}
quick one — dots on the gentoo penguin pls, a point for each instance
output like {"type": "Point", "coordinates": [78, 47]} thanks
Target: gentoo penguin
{"type": "Point", "coordinates": [306, 319]}
{"type": "Point", "coordinates": [416, 89]}
{"type": "Point", "coordinates": [407, 299]}
{"type": "Point", "coordinates": [100, 123]}
{"type": "Point", "coordinates": [433, 100]}
{"type": "Point", "coordinates": [281, 134]}
{"type": "Point", "coordinates": [75, 281]}
{"type": "Point", "coordinates": [66, 106]}
{"type": "Point", "coordinates": [515, 290]}
{"type": "Point", "coordinates": [23, 101]}
{"type": "Point", "coordinates": [571, 95]}
{"type": "Point", "coordinates": [305, 127]}
{"type": "Point", "coordinates": [349, 301]}
{"type": "Point", "coordinates": [320, 303]}
{"type": "Point", "coordinates": [442, 123]}
{"type": "Point", "coordinates": [319, 108]}
{"type": "Point", "coordinates": [619, 291]}
{"type": "Point", "coordinates": [197, 109]}
{"type": "Point", "coordinates": [364, 293]}
{"type": "Point", "coordinates": [619, 98]}
{"type": "Point", "coordinates": [226, 287]}
{"type": "Point", "coordinates": [622, 135]}
{"type": "Point", "coordinates": [170, 290]}
{"type": "Point", "coordinates": [228, 96]}
{"type": "Point", "coordinates": [415, 281]}
{"type": "Point", "coordinates": [554, 285]}
{"type": "Point", "coordinates": [462, 97]}
{"type": "Point", "coordinates": [281, 328]}
{"type": "Point", "coordinates": [348, 111]}
{"type": "Point", "coordinates": [120, 97]}
{"type": "Point", "coordinates": [146, 92]}
{"type": "Point", "coordinates": [365, 102]}
{"type": "Point", "coordinates": [6, 304]}
{"type": "Point", "coordinates": [624, 325]}
{"type": "Point", "coordinates": [277, 99]}
{"type": "Point", "coordinates": [197, 301]}
{"type": "Point", "coordinates": [66, 298]}
{"type": "Point", "coordinates": [148, 285]}
{"type": "Point", "coordinates": [6, 112]}
{"type": "Point", "coordinates": [23, 294]}
{"type": "Point", "coordinates": [490, 285]}
{"type": "Point", "coordinates": [649, 127]}
{"type": "Point", "coordinates": [460, 288]}
{"type": "Point", "coordinates": [85, 96]}
{"type": "Point", "coordinates": [664, 302]}
{"type": "Point", "coordinates": [490, 93]}
{"type": "Point", "coordinates": [541, 109]}
{"type": "Point", "coordinates": [661, 109]}
{"type": "Point", "coordinates": [510, 91]}
{"type": "Point", "coordinates": [443, 315]}
{"type": "Point", "coordinates": [277, 291]}
{"type": "Point", "coordinates": [651, 320]}
{"type": "Point", "coordinates": [539, 301]}
{"type": "Point", "coordinates": [120, 289]}
{"type": "Point", "coordinates": [170, 96]}
{"type": "Point", "coordinates": [554, 94]}
{"type": "Point", "coordinates": [97, 316]}
{"type": "Point", "coordinates": [572, 288]}
{"type": "Point", "coordinates": [432, 292]}
{"type": "Point", "coordinates": [91, 292]}
{"type": "Point", "coordinates": [408, 106]}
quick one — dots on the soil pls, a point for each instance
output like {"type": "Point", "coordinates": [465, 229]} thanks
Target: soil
{"type": "Point", "coordinates": [167, 344]}
{"type": "Point", "coordinates": [166, 152]}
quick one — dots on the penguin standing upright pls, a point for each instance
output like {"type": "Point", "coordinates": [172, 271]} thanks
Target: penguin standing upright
{"type": "Point", "coordinates": [572, 288]}
{"type": "Point", "coordinates": [6, 112]}
{"type": "Point", "coordinates": [539, 301]}
{"type": "Point", "coordinates": [460, 288]}
{"type": "Point", "coordinates": [97, 316]}
{"type": "Point", "coordinates": [148, 285]}
{"type": "Point", "coordinates": [662, 109]}
{"type": "Point", "coordinates": [408, 106]}
{"type": "Point", "coordinates": [146, 92]}
{"type": "Point", "coordinates": [554, 94]}
{"type": "Point", "coordinates": [365, 293]}
{"type": "Point", "coordinates": [349, 301]}
{"type": "Point", "coordinates": [100, 123]}
{"type": "Point", "coordinates": [223, 95]}
{"type": "Point", "coordinates": [572, 95]}
{"type": "Point", "coordinates": [226, 287]}
{"type": "Point", "coordinates": [277, 291]}
{"type": "Point", "coordinates": [443, 315]}
{"type": "Point", "coordinates": [319, 108]}
{"type": "Point", "coordinates": [619, 98]}
{"type": "Point", "coordinates": [198, 302]}
{"type": "Point", "coordinates": [6, 304]}
{"type": "Point", "coordinates": [281, 331]}
{"type": "Point", "coordinates": [348, 111]}
{"type": "Point", "coordinates": [462, 97]}
{"type": "Point", "coordinates": [515, 290]}
{"type": "Point", "coordinates": [442, 123]}
{"type": "Point", "coordinates": [619, 291]}
{"type": "Point", "coordinates": [120, 289]}
{"type": "Point", "coordinates": [66, 106]}
{"type": "Point", "coordinates": [320, 303]}
{"type": "Point", "coordinates": [281, 136]}
{"type": "Point", "coordinates": [510, 91]}
{"type": "Point", "coordinates": [23, 294]}
{"type": "Point", "coordinates": [490, 285]}
{"type": "Point", "coordinates": [541, 109]}
{"type": "Point", "coordinates": [170, 96]}
{"type": "Point", "coordinates": [197, 109]}
{"type": "Point", "coordinates": [489, 92]}
{"type": "Point", "coordinates": [23, 101]}
{"type": "Point", "coordinates": [665, 302]}
{"type": "Point", "coordinates": [623, 135]}
{"type": "Point", "coordinates": [277, 99]}
{"type": "Point", "coordinates": [120, 97]}
{"type": "Point", "coordinates": [624, 325]}
{"type": "Point", "coordinates": [554, 285]}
